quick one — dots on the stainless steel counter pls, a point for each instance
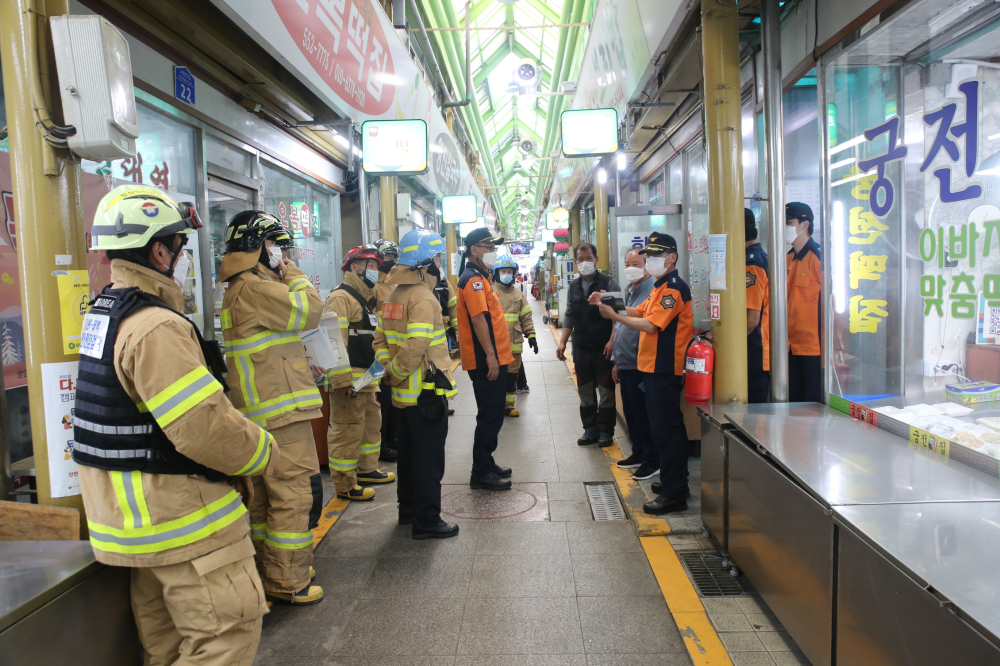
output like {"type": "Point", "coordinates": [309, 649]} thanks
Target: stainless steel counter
{"type": "Point", "coordinates": [59, 606]}
{"type": "Point", "coordinates": [717, 413]}
{"type": "Point", "coordinates": [918, 584]}
{"type": "Point", "coordinates": [842, 461]}
{"type": "Point", "coordinates": [33, 573]}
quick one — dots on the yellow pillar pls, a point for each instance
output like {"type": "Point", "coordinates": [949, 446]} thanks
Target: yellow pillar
{"type": "Point", "coordinates": [574, 226]}
{"type": "Point", "coordinates": [721, 63]}
{"type": "Point", "coordinates": [450, 232]}
{"type": "Point", "coordinates": [602, 239]}
{"type": "Point", "coordinates": [47, 203]}
{"type": "Point", "coordinates": [387, 186]}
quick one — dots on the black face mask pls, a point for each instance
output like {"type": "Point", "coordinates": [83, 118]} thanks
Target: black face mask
{"type": "Point", "coordinates": [387, 265]}
{"type": "Point", "coordinates": [368, 283]}
{"type": "Point", "coordinates": [434, 270]}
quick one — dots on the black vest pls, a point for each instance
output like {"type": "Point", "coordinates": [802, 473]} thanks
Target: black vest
{"type": "Point", "coordinates": [590, 329]}
{"type": "Point", "coordinates": [361, 334]}
{"type": "Point", "coordinates": [109, 431]}
{"type": "Point", "coordinates": [441, 291]}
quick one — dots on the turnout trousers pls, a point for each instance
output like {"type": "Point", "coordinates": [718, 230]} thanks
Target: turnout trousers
{"type": "Point", "coordinates": [283, 509]}
{"type": "Point", "coordinates": [388, 415]}
{"type": "Point", "coordinates": [637, 417]}
{"type": "Point", "coordinates": [596, 388]}
{"type": "Point", "coordinates": [354, 438]}
{"type": "Point", "coordinates": [663, 398]}
{"type": "Point", "coordinates": [805, 378]}
{"type": "Point", "coordinates": [205, 612]}
{"type": "Point", "coordinates": [490, 400]}
{"type": "Point", "coordinates": [421, 465]}
{"type": "Point", "coordinates": [514, 371]}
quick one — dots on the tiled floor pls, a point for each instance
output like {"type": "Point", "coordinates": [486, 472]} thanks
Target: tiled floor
{"type": "Point", "coordinates": [557, 589]}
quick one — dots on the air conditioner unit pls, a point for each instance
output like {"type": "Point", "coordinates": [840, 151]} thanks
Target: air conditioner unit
{"type": "Point", "coordinates": [95, 85]}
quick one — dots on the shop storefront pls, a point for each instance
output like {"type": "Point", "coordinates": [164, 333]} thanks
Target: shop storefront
{"type": "Point", "coordinates": [912, 211]}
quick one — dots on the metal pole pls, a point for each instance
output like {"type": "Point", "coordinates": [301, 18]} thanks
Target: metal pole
{"type": "Point", "coordinates": [363, 206]}
{"type": "Point", "coordinates": [574, 226]}
{"type": "Point", "coordinates": [618, 187]}
{"type": "Point", "coordinates": [387, 194]}
{"type": "Point", "coordinates": [48, 204]}
{"type": "Point", "coordinates": [601, 240]}
{"type": "Point", "coordinates": [775, 158]}
{"type": "Point", "coordinates": [450, 232]}
{"type": "Point", "coordinates": [721, 64]}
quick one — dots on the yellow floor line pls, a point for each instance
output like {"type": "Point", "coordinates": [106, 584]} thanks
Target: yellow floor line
{"type": "Point", "coordinates": [331, 512]}
{"type": "Point", "coordinates": [455, 363]}
{"type": "Point", "coordinates": [700, 638]}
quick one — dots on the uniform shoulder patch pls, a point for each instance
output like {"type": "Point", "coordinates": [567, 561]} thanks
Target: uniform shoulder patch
{"type": "Point", "coordinates": [751, 279]}
{"type": "Point", "coordinates": [667, 302]}
{"type": "Point", "coordinates": [477, 285]}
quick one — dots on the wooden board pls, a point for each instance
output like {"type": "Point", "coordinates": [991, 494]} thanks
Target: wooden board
{"type": "Point", "coordinates": [20, 521]}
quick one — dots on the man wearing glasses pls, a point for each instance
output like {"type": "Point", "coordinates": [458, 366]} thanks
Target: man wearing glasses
{"type": "Point", "coordinates": [485, 349]}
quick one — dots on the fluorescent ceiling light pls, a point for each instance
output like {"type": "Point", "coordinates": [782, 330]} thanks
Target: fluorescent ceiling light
{"type": "Point", "coordinates": [850, 178]}
{"type": "Point", "coordinates": [842, 163]}
{"type": "Point", "coordinates": [847, 144]}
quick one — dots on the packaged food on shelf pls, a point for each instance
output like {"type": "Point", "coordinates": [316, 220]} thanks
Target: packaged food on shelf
{"type": "Point", "coordinates": [973, 392]}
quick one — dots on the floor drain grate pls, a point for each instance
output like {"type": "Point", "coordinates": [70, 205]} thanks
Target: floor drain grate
{"type": "Point", "coordinates": [604, 501]}
{"type": "Point", "coordinates": [712, 580]}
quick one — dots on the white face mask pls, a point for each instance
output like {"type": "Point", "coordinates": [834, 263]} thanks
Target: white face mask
{"type": "Point", "coordinates": [489, 259]}
{"type": "Point", "coordinates": [506, 279]}
{"type": "Point", "coordinates": [372, 275]}
{"type": "Point", "coordinates": [634, 273]}
{"type": "Point", "coordinates": [181, 267]}
{"type": "Point", "coordinates": [791, 233]}
{"type": "Point", "coordinates": [274, 253]}
{"type": "Point", "coordinates": [657, 266]}
{"type": "Point", "coordinates": [586, 268]}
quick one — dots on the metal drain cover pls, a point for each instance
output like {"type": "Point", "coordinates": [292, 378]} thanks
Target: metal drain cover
{"type": "Point", "coordinates": [604, 501]}
{"type": "Point", "coordinates": [712, 580]}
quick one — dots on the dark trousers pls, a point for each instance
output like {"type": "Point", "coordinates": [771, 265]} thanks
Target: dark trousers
{"type": "Point", "coordinates": [388, 416]}
{"type": "Point", "coordinates": [596, 388]}
{"type": "Point", "coordinates": [805, 379]}
{"type": "Point", "coordinates": [421, 465]}
{"type": "Point", "coordinates": [663, 399]}
{"type": "Point", "coordinates": [758, 386]}
{"type": "Point", "coordinates": [637, 416]}
{"type": "Point", "coordinates": [491, 398]}
{"type": "Point", "coordinates": [522, 379]}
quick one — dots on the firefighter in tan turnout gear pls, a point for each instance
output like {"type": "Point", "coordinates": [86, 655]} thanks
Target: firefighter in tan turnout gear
{"type": "Point", "coordinates": [517, 312]}
{"type": "Point", "coordinates": [156, 440]}
{"type": "Point", "coordinates": [354, 438]}
{"type": "Point", "coordinates": [267, 303]}
{"type": "Point", "coordinates": [410, 342]}
{"type": "Point", "coordinates": [387, 252]}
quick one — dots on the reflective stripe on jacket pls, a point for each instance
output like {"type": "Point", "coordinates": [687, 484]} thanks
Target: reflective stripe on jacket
{"type": "Point", "coordinates": [144, 520]}
{"type": "Point", "coordinates": [411, 335]}
{"type": "Point", "coordinates": [349, 311]}
{"type": "Point", "coordinates": [268, 369]}
{"type": "Point", "coordinates": [517, 312]}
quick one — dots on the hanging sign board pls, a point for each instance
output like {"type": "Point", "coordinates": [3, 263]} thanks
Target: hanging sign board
{"type": "Point", "coordinates": [59, 397]}
{"type": "Point", "coordinates": [589, 132]}
{"type": "Point", "coordinates": [717, 261]}
{"type": "Point", "coordinates": [396, 147]}
{"type": "Point", "coordinates": [459, 209]}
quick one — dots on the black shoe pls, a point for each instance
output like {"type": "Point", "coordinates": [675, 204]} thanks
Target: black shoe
{"type": "Point", "coordinates": [605, 439]}
{"type": "Point", "coordinates": [440, 531]}
{"type": "Point", "coordinates": [523, 389]}
{"type": "Point", "coordinates": [631, 462]}
{"type": "Point", "coordinates": [662, 505]}
{"type": "Point", "coordinates": [590, 435]}
{"type": "Point", "coordinates": [646, 472]}
{"type": "Point", "coordinates": [388, 455]}
{"type": "Point", "coordinates": [491, 481]}
{"type": "Point", "coordinates": [451, 412]}
{"type": "Point", "coordinates": [658, 488]}
{"type": "Point", "coordinates": [504, 472]}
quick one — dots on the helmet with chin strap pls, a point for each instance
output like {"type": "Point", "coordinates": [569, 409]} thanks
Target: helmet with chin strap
{"type": "Point", "coordinates": [505, 261]}
{"type": "Point", "coordinates": [385, 247]}
{"type": "Point", "coordinates": [366, 252]}
{"type": "Point", "coordinates": [130, 216]}
{"type": "Point", "coordinates": [419, 247]}
{"type": "Point", "coordinates": [248, 230]}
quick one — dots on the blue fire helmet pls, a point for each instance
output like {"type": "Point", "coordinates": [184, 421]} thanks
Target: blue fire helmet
{"type": "Point", "coordinates": [505, 261]}
{"type": "Point", "coordinates": [419, 247]}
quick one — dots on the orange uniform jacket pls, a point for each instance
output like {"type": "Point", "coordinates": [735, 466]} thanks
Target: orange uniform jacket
{"type": "Point", "coordinates": [476, 296]}
{"type": "Point", "coordinates": [805, 284]}
{"type": "Point", "coordinates": [758, 298]}
{"type": "Point", "coordinates": [669, 308]}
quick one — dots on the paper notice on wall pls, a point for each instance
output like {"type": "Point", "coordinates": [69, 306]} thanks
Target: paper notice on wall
{"type": "Point", "coordinates": [717, 261]}
{"type": "Point", "coordinates": [74, 294]}
{"type": "Point", "coordinates": [454, 263]}
{"type": "Point", "coordinates": [715, 306]}
{"type": "Point", "coordinates": [59, 398]}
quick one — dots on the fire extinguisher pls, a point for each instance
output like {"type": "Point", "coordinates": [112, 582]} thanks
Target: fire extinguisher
{"type": "Point", "coordinates": [699, 365]}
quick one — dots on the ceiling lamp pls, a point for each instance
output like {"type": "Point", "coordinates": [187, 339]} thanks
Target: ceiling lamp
{"type": "Point", "coordinates": [506, 2]}
{"type": "Point", "coordinates": [512, 88]}
{"type": "Point", "coordinates": [560, 214]}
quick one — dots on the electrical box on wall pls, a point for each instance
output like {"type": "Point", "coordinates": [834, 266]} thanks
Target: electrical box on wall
{"type": "Point", "coordinates": [95, 84]}
{"type": "Point", "coordinates": [402, 206]}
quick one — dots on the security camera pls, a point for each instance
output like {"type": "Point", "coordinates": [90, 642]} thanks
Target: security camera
{"type": "Point", "coordinates": [526, 74]}
{"type": "Point", "coordinates": [527, 146]}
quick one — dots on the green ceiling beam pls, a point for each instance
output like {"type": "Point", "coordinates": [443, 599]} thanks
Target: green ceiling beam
{"type": "Point", "coordinates": [545, 10]}
{"type": "Point", "coordinates": [478, 8]}
{"type": "Point", "coordinates": [509, 126]}
{"type": "Point", "coordinates": [491, 63]}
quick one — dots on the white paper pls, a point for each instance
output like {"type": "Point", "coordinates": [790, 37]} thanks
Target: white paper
{"type": "Point", "coordinates": [59, 398]}
{"type": "Point", "coordinates": [324, 344]}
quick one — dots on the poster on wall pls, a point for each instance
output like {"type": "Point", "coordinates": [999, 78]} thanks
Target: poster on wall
{"type": "Point", "coordinates": [59, 395]}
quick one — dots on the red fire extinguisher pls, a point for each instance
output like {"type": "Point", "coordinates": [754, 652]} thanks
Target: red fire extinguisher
{"type": "Point", "coordinates": [699, 365]}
